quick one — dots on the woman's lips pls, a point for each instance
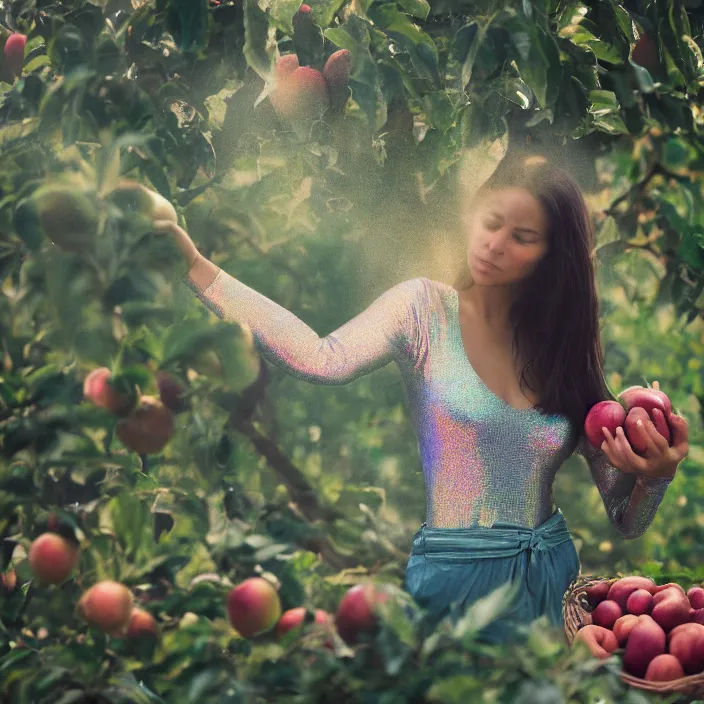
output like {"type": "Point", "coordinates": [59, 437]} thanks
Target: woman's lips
{"type": "Point", "coordinates": [486, 263]}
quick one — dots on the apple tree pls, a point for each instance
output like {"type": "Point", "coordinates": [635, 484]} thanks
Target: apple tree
{"type": "Point", "coordinates": [151, 461]}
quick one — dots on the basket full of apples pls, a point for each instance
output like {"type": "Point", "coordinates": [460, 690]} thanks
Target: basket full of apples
{"type": "Point", "coordinates": [658, 630]}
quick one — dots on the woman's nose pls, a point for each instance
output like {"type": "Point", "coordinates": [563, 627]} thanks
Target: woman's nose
{"type": "Point", "coordinates": [497, 241]}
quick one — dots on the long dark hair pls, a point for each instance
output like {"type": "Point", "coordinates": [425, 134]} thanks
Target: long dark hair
{"type": "Point", "coordinates": [555, 313]}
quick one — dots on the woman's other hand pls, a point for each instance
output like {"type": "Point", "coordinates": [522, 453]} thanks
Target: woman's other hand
{"type": "Point", "coordinates": [660, 460]}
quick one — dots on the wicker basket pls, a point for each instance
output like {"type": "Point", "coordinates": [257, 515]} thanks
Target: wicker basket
{"type": "Point", "coordinates": [576, 615]}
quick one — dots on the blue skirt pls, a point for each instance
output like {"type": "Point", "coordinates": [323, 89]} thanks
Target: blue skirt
{"type": "Point", "coordinates": [450, 568]}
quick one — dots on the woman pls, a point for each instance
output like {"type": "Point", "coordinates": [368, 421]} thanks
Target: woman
{"type": "Point", "coordinates": [500, 370]}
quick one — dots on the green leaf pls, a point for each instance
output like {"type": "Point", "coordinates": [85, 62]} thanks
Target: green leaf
{"type": "Point", "coordinates": [340, 37]}
{"type": "Point", "coordinates": [531, 56]}
{"type": "Point", "coordinates": [584, 38]}
{"type": "Point", "coordinates": [623, 19]}
{"type": "Point", "coordinates": [131, 521]}
{"type": "Point", "coordinates": [72, 696]}
{"type": "Point", "coordinates": [187, 20]}
{"type": "Point", "coordinates": [487, 610]}
{"type": "Point", "coordinates": [256, 32]}
{"type": "Point", "coordinates": [477, 41]}
{"type": "Point", "coordinates": [417, 8]}
{"type": "Point", "coordinates": [35, 63]}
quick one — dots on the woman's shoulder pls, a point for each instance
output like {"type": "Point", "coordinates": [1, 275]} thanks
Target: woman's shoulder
{"type": "Point", "coordinates": [422, 285]}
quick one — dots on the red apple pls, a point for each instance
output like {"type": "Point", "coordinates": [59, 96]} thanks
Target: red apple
{"type": "Point", "coordinates": [623, 588]}
{"type": "Point", "coordinates": [647, 399]}
{"type": "Point", "coordinates": [253, 607]}
{"type": "Point", "coordinates": [623, 627]}
{"type": "Point", "coordinates": [107, 606]}
{"type": "Point", "coordinates": [337, 75]}
{"type": "Point", "coordinates": [640, 602]}
{"type": "Point", "coordinates": [606, 614]}
{"type": "Point", "coordinates": [293, 618]}
{"type": "Point", "coordinates": [646, 640]}
{"type": "Point", "coordinates": [664, 668]}
{"type": "Point", "coordinates": [171, 393]}
{"type": "Point", "coordinates": [669, 585]}
{"type": "Point", "coordinates": [280, 96]}
{"type": "Point", "coordinates": [141, 624]}
{"type": "Point", "coordinates": [638, 435]}
{"type": "Point", "coordinates": [686, 643]}
{"type": "Point", "coordinates": [645, 53]}
{"type": "Point", "coordinates": [53, 558]}
{"type": "Point", "coordinates": [301, 94]}
{"type": "Point", "coordinates": [600, 641]}
{"type": "Point", "coordinates": [696, 616]}
{"type": "Point", "coordinates": [8, 581]}
{"type": "Point", "coordinates": [14, 53]}
{"type": "Point", "coordinates": [356, 613]}
{"type": "Point", "coordinates": [670, 608]}
{"type": "Point", "coordinates": [98, 388]}
{"type": "Point", "coordinates": [148, 428]}
{"type": "Point", "coordinates": [596, 593]}
{"type": "Point", "coordinates": [696, 597]}
{"type": "Point", "coordinates": [605, 413]}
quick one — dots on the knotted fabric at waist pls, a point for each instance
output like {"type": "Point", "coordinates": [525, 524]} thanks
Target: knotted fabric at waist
{"type": "Point", "coordinates": [501, 540]}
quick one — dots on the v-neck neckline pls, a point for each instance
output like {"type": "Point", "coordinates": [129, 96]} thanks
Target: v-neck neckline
{"type": "Point", "coordinates": [489, 392]}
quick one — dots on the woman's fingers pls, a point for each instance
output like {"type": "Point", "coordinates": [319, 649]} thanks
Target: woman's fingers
{"type": "Point", "coordinates": [635, 462]}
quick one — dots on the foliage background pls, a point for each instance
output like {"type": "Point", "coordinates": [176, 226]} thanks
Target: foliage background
{"type": "Point", "coordinates": [319, 487]}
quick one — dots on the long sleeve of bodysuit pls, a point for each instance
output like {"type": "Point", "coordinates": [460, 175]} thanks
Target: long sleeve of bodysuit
{"type": "Point", "coordinates": [631, 500]}
{"type": "Point", "coordinates": [386, 331]}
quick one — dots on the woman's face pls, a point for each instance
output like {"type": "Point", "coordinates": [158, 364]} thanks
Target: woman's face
{"type": "Point", "coordinates": [508, 228]}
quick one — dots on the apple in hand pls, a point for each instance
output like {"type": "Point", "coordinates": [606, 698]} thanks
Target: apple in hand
{"type": "Point", "coordinates": [605, 413]}
{"type": "Point", "coordinates": [646, 398]}
{"type": "Point", "coordinates": [637, 435]}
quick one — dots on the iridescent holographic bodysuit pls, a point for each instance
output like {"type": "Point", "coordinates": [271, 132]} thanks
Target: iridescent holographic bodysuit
{"type": "Point", "coordinates": [483, 460]}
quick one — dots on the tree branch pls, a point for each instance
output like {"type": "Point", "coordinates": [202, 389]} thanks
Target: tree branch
{"type": "Point", "coordinates": [302, 492]}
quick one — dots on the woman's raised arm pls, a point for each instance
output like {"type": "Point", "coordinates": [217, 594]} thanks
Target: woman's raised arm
{"type": "Point", "coordinates": [386, 331]}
